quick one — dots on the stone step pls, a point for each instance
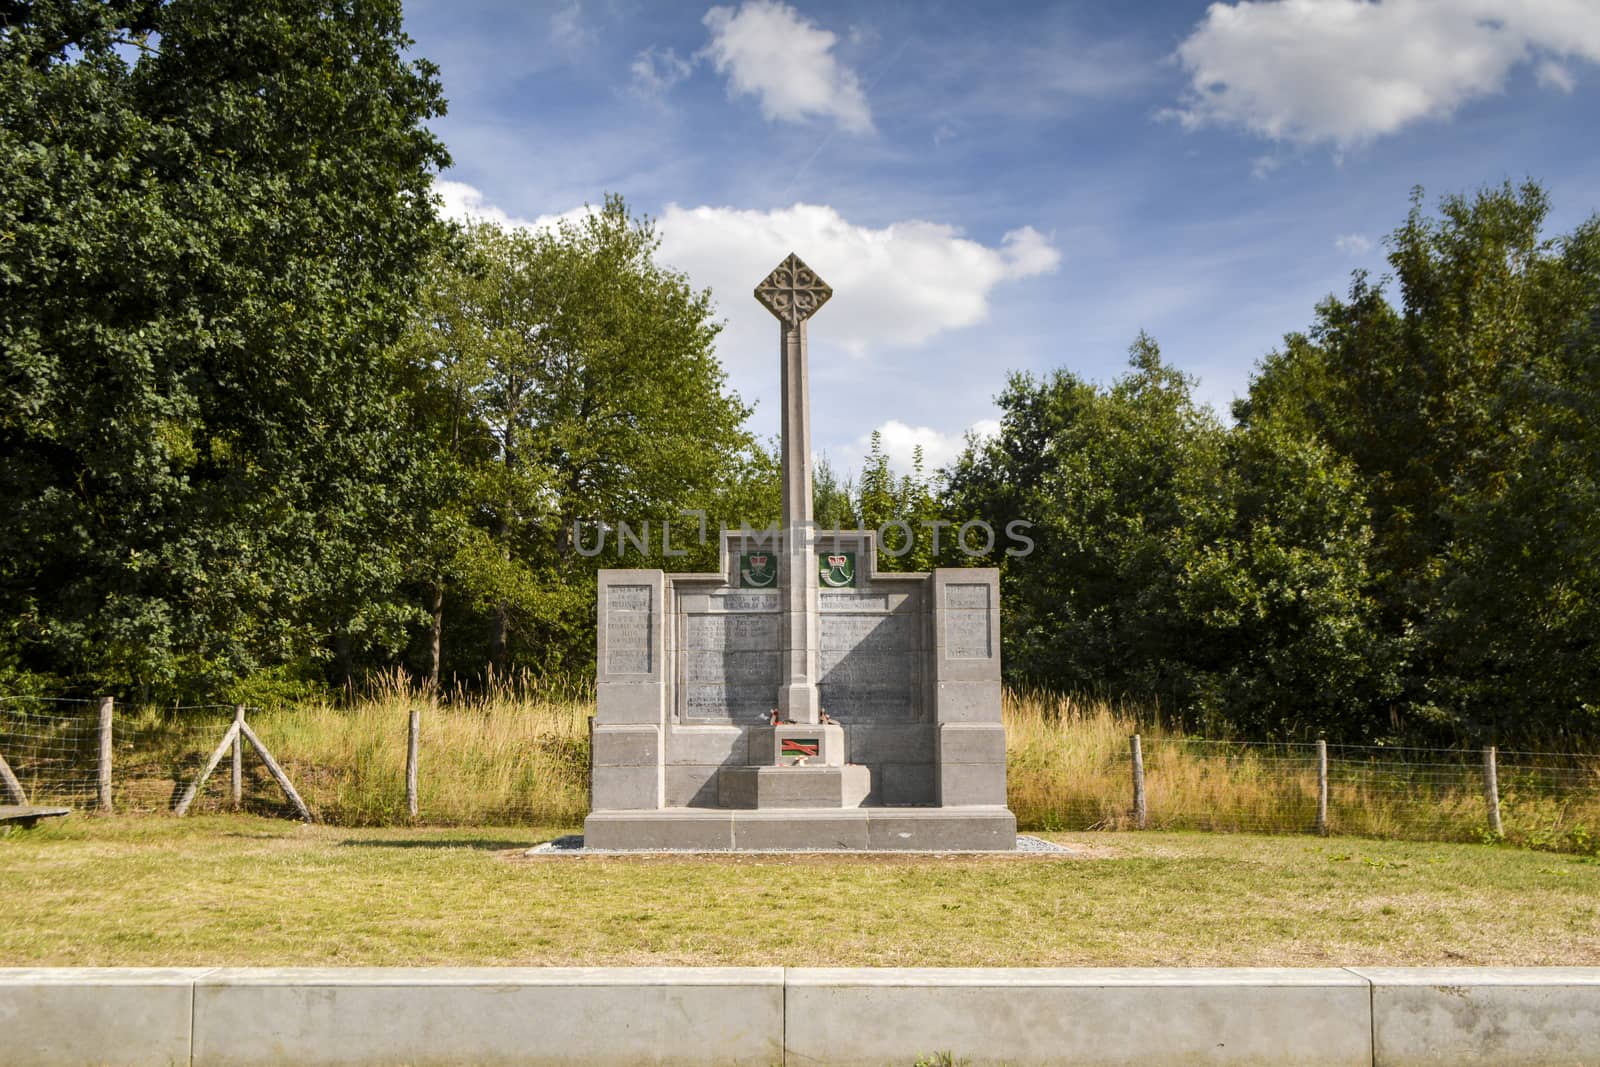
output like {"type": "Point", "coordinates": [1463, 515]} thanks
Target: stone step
{"type": "Point", "coordinates": [976, 828]}
{"type": "Point", "coordinates": [793, 787]}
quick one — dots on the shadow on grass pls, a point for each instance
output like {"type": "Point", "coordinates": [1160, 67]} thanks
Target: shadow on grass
{"type": "Point", "coordinates": [484, 843]}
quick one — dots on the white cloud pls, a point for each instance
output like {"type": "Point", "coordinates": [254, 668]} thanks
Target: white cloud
{"type": "Point", "coordinates": [1347, 71]}
{"type": "Point", "coordinates": [567, 28]}
{"type": "Point", "coordinates": [1353, 244]}
{"type": "Point", "coordinates": [900, 442]}
{"type": "Point", "coordinates": [1553, 75]}
{"type": "Point", "coordinates": [1262, 167]}
{"type": "Point", "coordinates": [465, 203]}
{"type": "Point", "coordinates": [898, 285]}
{"type": "Point", "coordinates": [770, 51]}
{"type": "Point", "coordinates": [656, 71]}
{"type": "Point", "coordinates": [895, 287]}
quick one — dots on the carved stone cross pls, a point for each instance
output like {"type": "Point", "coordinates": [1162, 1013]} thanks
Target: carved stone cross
{"type": "Point", "coordinates": [793, 293]}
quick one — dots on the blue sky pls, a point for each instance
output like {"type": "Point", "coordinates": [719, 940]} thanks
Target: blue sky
{"type": "Point", "coordinates": [994, 188]}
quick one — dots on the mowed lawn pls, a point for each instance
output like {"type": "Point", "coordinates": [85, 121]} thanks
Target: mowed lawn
{"type": "Point", "coordinates": [239, 890]}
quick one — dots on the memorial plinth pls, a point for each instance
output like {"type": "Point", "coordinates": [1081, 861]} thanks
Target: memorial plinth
{"type": "Point", "coordinates": [886, 686]}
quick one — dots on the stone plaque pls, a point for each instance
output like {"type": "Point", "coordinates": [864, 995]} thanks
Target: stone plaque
{"type": "Point", "coordinates": [868, 665]}
{"type": "Point", "coordinates": [828, 600]}
{"type": "Point", "coordinates": [744, 601]}
{"type": "Point", "coordinates": [731, 631]}
{"type": "Point", "coordinates": [730, 660]}
{"type": "Point", "coordinates": [966, 596]}
{"type": "Point", "coordinates": [966, 635]}
{"type": "Point", "coordinates": [850, 631]}
{"type": "Point", "coordinates": [628, 622]}
{"type": "Point", "coordinates": [731, 668]}
{"type": "Point", "coordinates": [712, 702]}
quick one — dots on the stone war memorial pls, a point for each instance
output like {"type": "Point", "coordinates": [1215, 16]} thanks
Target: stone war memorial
{"type": "Point", "coordinates": [798, 698]}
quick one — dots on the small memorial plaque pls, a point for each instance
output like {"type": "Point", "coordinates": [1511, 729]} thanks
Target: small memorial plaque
{"type": "Point", "coordinates": [793, 751]}
{"type": "Point", "coordinates": [967, 635]}
{"type": "Point", "coordinates": [828, 600]}
{"type": "Point", "coordinates": [744, 601]}
{"type": "Point", "coordinates": [628, 625]}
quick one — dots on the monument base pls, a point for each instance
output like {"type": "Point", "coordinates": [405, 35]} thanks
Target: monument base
{"type": "Point", "coordinates": [793, 787]}
{"type": "Point", "coordinates": [958, 829]}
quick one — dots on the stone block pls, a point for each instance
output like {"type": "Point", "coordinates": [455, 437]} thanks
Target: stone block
{"type": "Point", "coordinates": [889, 742]}
{"type": "Point", "coordinates": [800, 830]}
{"type": "Point", "coordinates": [941, 829]}
{"type": "Point", "coordinates": [129, 1016]}
{"type": "Point", "coordinates": [765, 743]}
{"type": "Point", "coordinates": [738, 787]}
{"type": "Point", "coordinates": [620, 703]}
{"type": "Point", "coordinates": [793, 787]}
{"type": "Point", "coordinates": [625, 788]}
{"type": "Point", "coordinates": [907, 783]}
{"type": "Point", "coordinates": [681, 828]}
{"type": "Point", "coordinates": [1500, 1016]}
{"type": "Point", "coordinates": [706, 745]}
{"type": "Point", "coordinates": [1092, 1017]}
{"type": "Point", "coordinates": [488, 1016]}
{"type": "Point", "coordinates": [626, 746]}
{"type": "Point", "coordinates": [972, 783]}
{"type": "Point", "coordinates": [692, 785]}
{"type": "Point", "coordinates": [972, 742]}
{"type": "Point", "coordinates": [857, 785]}
{"type": "Point", "coordinates": [967, 701]}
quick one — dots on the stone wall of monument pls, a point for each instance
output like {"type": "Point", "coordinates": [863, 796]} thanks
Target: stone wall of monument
{"type": "Point", "coordinates": [908, 664]}
{"type": "Point", "coordinates": [873, 643]}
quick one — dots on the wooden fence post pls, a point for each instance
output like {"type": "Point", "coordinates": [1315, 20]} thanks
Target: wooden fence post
{"type": "Point", "coordinates": [1138, 785]}
{"type": "Point", "coordinates": [276, 771]}
{"type": "Point", "coordinates": [1322, 787]}
{"type": "Point", "coordinates": [414, 728]}
{"type": "Point", "coordinates": [9, 785]}
{"type": "Point", "coordinates": [103, 784]}
{"type": "Point", "coordinates": [1491, 791]}
{"type": "Point", "coordinates": [182, 807]}
{"type": "Point", "coordinates": [238, 759]}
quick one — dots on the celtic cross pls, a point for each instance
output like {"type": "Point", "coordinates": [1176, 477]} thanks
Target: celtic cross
{"type": "Point", "coordinates": [793, 292]}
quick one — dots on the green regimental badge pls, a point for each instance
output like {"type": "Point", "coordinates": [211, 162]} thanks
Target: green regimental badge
{"type": "Point", "coordinates": [837, 570]}
{"type": "Point", "coordinates": [758, 570]}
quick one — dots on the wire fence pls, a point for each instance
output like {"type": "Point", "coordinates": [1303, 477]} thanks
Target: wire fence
{"type": "Point", "coordinates": [526, 761]}
{"type": "Point", "coordinates": [1541, 799]}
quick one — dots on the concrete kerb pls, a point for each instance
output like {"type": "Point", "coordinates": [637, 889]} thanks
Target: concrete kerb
{"type": "Point", "coordinates": [427, 1016]}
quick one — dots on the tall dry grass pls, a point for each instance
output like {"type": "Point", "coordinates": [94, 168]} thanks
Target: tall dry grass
{"type": "Point", "coordinates": [1070, 768]}
{"type": "Point", "coordinates": [520, 753]}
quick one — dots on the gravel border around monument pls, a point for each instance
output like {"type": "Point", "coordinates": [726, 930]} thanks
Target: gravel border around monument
{"type": "Point", "coordinates": [572, 845]}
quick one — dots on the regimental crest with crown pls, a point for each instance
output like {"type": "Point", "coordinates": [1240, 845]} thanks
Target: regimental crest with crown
{"type": "Point", "coordinates": [837, 569]}
{"type": "Point", "coordinates": [758, 570]}
{"type": "Point", "coordinates": [793, 292]}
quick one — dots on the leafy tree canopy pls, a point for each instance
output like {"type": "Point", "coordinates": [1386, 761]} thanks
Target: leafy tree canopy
{"type": "Point", "coordinates": [213, 217]}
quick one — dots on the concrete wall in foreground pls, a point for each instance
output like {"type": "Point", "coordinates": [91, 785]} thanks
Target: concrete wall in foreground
{"type": "Point", "coordinates": [487, 1016]}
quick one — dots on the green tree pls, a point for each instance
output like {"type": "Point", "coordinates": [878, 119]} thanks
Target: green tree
{"type": "Point", "coordinates": [1470, 414]}
{"type": "Point", "coordinates": [587, 374]}
{"type": "Point", "coordinates": [1216, 574]}
{"type": "Point", "coordinates": [213, 217]}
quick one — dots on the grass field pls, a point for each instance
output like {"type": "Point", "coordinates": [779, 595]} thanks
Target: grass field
{"type": "Point", "coordinates": [242, 890]}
